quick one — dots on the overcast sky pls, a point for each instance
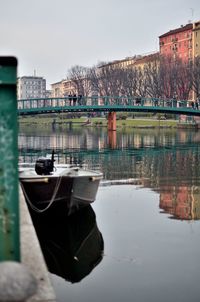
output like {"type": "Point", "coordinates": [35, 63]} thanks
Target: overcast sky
{"type": "Point", "coordinates": [51, 36]}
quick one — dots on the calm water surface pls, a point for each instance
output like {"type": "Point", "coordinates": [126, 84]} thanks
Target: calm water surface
{"type": "Point", "coordinates": [140, 241]}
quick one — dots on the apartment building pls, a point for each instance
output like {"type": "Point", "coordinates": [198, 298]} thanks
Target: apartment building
{"type": "Point", "coordinates": [62, 88]}
{"type": "Point", "coordinates": [124, 63]}
{"type": "Point", "coordinates": [196, 39]}
{"type": "Point", "coordinates": [57, 89]}
{"type": "Point", "coordinates": [29, 87]}
{"type": "Point", "coordinates": [182, 42]}
{"type": "Point", "coordinates": [148, 59]}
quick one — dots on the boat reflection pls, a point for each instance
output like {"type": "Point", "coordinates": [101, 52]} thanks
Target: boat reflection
{"type": "Point", "coordinates": [72, 245]}
{"type": "Point", "coordinates": [181, 202]}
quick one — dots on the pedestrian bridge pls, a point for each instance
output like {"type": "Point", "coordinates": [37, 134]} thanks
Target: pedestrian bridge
{"type": "Point", "coordinates": [108, 104]}
{"type": "Point", "coordinates": [105, 104]}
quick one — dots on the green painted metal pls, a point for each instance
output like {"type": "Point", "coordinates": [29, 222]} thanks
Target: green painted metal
{"type": "Point", "coordinates": [9, 196]}
{"type": "Point", "coordinates": [105, 104]}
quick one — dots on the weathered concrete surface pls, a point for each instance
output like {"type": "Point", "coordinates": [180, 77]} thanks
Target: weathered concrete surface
{"type": "Point", "coordinates": [14, 288]}
{"type": "Point", "coordinates": [32, 258]}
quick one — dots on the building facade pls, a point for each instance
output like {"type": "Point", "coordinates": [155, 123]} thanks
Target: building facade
{"type": "Point", "coordinates": [144, 60]}
{"type": "Point", "coordinates": [29, 87]}
{"type": "Point", "coordinates": [196, 39]}
{"type": "Point", "coordinates": [57, 89]}
{"type": "Point", "coordinates": [63, 88]}
{"type": "Point", "coordinates": [124, 63]}
{"type": "Point", "coordinates": [182, 42]}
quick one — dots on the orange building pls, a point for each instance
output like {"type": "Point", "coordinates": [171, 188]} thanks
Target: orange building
{"type": "Point", "coordinates": [182, 42]}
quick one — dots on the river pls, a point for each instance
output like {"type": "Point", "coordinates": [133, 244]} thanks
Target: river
{"type": "Point", "coordinates": [142, 234]}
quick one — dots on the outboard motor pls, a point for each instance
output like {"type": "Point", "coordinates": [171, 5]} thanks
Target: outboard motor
{"type": "Point", "coordinates": [44, 166]}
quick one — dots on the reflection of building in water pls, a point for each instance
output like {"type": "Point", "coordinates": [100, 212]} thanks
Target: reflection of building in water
{"type": "Point", "coordinates": [182, 202]}
{"type": "Point", "coordinates": [155, 157]}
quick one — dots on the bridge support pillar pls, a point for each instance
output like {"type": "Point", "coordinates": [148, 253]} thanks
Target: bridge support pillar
{"type": "Point", "coordinates": [112, 139]}
{"type": "Point", "coordinates": [112, 121]}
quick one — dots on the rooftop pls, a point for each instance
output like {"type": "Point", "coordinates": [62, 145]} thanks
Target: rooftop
{"type": "Point", "coordinates": [178, 30]}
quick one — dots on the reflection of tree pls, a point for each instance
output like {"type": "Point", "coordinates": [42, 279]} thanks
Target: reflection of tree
{"type": "Point", "coordinates": [165, 161]}
{"type": "Point", "coordinates": [156, 157]}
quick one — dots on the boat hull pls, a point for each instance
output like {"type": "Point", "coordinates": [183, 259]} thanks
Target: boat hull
{"type": "Point", "coordinates": [72, 190]}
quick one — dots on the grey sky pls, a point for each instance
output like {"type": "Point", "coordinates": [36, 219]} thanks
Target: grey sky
{"type": "Point", "coordinates": [52, 36]}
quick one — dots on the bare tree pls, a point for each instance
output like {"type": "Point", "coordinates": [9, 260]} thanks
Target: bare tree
{"type": "Point", "coordinates": [176, 78]}
{"type": "Point", "coordinates": [129, 81]}
{"type": "Point", "coordinates": [165, 77]}
{"type": "Point", "coordinates": [80, 77]}
{"type": "Point", "coordinates": [196, 76]}
{"type": "Point", "coordinates": [152, 78]}
{"type": "Point", "coordinates": [183, 79]}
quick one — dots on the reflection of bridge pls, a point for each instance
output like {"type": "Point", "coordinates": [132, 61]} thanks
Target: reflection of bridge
{"type": "Point", "coordinates": [171, 170]}
{"type": "Point", "coordinates": [105, 104]}
{"type": "Point", "coordinates": [152, 159]}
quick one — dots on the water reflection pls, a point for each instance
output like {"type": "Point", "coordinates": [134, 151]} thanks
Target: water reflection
{"type": "Point", "coordinates": [148, 256]}
{"type": "Point", "coordinates": [72, 245]}
{"type": "Point", "coordinates": [166, 161]}
{"type": "Point", "coordinates": [181, 202]}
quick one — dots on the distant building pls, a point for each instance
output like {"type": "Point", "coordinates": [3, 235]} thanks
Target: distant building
{"type": "Point", "coordinates": [29, 87]}
{"type": "Point", "coordinates": [123, 63]}
{"type": "Point", "coordinates": [144, 60]}
{"type": "Point", "coordinates": [138, 61]}
{"type": "Point", "coordinates": [48, 93]}
{"type": "Point", "coordinates": [57, 89]}
{"type": "Point", "coordinates": [196, 39]}
{"type": "Point", "coordinates": [63, 88]}
{"type": "Point", "coordinates": [182, 42]}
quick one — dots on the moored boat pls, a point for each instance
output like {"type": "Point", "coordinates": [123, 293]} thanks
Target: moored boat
{"type": "Point", "coordinates": [60, 184]}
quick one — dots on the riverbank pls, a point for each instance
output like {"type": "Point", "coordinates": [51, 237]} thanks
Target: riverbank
{"type": "Point", "coordinates": [32, 257]}
{"type": "Point", "coordinates": [60, 121]}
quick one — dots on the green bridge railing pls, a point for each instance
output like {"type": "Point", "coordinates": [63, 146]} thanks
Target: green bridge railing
{"type": "Point", "coordinates": [105, 104]}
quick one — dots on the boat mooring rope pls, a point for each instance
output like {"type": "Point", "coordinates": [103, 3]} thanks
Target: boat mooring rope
{"type": "Point", "coordinates": [33, 207]}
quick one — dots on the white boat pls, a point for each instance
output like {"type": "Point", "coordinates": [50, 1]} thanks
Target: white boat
{"type": "Point", "coordinates": [71, 187]}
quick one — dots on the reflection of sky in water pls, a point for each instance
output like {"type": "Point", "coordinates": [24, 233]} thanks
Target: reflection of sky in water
{"type": "Point", "coordinates": [147, 256]}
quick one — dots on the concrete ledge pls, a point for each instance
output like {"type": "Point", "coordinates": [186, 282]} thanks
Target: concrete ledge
{"type": "Point", "coordinates": [31, 256]}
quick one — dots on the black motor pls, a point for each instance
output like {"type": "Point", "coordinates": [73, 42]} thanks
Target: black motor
{"type": "Point", "coordinates": [44, 166]}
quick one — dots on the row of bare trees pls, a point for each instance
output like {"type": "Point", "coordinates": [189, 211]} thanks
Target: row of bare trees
{"type": "Point", "coordinates": [164, 77]}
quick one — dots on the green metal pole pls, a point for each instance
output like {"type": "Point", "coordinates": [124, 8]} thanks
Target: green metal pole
{"type": "Point", "coordinates": [9, 195]}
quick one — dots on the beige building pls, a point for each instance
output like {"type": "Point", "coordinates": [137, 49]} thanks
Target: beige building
{"type": "Point", "coordinates": [124, 63]}
{"type": "Point", "coordinates": [138, 61]}
{"type": "Point", "coordinates": [62, 88]}
{"type": "Point", "coordinates": [196, 39]}
{"type": "Point", "coordinates": [146, 59]}
{"type": "Point", "coordinates": [57, 89]}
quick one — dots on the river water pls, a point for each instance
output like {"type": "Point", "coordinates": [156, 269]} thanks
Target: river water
{"type": "Point", "coordinates": [141, 237]}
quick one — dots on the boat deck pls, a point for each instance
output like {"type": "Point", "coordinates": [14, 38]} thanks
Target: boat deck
{"type": "Point", "coordinates": [28, 171]}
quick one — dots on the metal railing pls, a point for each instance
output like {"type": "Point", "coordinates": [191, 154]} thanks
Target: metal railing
{"type": "Point", "coordinates": [106, 103]}
{"type": "Point", "coordinates": [9, 204]}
